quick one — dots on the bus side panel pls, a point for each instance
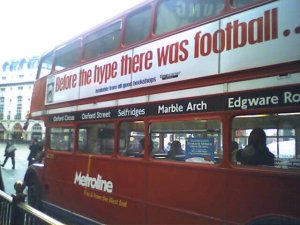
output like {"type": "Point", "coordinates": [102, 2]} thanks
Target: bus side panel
{"type": "Point", "coordinates": [254, 193]}
{"type": "Point", "coordinates": [59, 180]}
{"type": "Point", "coordinates": [180, 194]}
{"type": "Point", "coordinates": [38, 95]}
{"type": "Point", "coordinates": [125, 203]}
{"type": "Point", "coordinates": [97, 204]}
{"type": "Point", "coordinates": [130, 190]}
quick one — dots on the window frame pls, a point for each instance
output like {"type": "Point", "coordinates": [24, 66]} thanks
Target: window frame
{"type": "Point", "coordinates": [148, 28]}
{"type": "Point", "coordinates": [68, 49]}
{"type": "Point", "coordinates": [218, 158]}
{"type": "Point", "coordinates": [158, 22]}
{"type": "Point", "coordinates": [273, 121]}
{"type": "Point", "coordinates": [97, 36]}
{"type": "Point", "coordinates": [50, 56]}
{"type": "Point", "coordinates": [92, 142]}
{"type": "Point", "coordinates": [71, 139]}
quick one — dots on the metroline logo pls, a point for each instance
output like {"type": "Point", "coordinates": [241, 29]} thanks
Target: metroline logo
{"type": "Point", "coordinates": [93, 182]}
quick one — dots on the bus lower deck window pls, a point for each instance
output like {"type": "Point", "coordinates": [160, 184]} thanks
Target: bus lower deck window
{"type": "Point", "coordinates": [96, 138]}
{"type": "Point", "coordinates": [196, 141]}
{"type": "Point", "coordinates": [282, 134]}
{"type": "Point", "coordinates": [61, 138]}
{"type": "Point", "coordinates": [131, 138]}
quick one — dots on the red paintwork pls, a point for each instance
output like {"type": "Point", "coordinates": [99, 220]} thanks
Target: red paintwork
{"type": "Point", "coordinates": [162, 192]}
{"type": "Point", "coordinates": [156, 192]}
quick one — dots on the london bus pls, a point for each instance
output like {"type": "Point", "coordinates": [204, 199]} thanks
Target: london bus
{"type": "Point", "coordinates": [200, 73]}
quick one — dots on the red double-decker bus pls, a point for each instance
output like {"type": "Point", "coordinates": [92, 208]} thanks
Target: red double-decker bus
{"type": "Point", "coordinates": [142, 114]}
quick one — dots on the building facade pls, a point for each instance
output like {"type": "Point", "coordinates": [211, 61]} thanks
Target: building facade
{"type": "Point", "coordinates": [16, 84]}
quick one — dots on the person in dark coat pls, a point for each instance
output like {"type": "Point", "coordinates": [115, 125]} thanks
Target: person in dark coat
{"type": "Point", "coordinates": [9, 153]}
{"type": "Point", "coordinates": [1, 182]}
{"type": "Point", "coordinates": [35, 149]}
{"type": "Point", "coordinates": [175, 150]}
{"type": "Point", "coordinates": [256, 152]}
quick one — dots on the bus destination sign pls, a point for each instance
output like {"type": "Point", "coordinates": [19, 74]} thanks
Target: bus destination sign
{"type": "Point", "coordinates": [236, 101]}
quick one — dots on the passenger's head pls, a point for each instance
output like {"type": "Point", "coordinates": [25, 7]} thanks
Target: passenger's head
{"type": "Point", "coordinates": [234, 145]}
{"type": "Point", "coordinates": [142, 143]}
{"type": "Point", "coordinates": [257, 137]}
{"type": "Point", "coordinates": [176, 145]}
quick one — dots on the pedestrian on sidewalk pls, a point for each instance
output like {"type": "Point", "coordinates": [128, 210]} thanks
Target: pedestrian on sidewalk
{"type": "Point", "coordinates": [9, 153]}
{"type": "Point", "coordinates": [35, 149]}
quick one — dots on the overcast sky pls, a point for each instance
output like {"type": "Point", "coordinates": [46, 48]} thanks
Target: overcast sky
{"type": "Point", "coordinates": [31, 27]}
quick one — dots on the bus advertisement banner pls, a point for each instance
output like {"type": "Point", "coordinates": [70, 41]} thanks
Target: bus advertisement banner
{"type": "Point", "coordinates": [250, 39]}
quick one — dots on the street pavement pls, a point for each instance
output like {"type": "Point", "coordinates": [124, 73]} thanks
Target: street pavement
{"type": "Point", "coordinates": [9, 175]}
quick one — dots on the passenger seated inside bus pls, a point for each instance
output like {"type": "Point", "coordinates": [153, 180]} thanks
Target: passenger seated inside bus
{"type": "Point", "coordinates": [234, 149]}
{"type": "Point", "coordinates": [175, 151]}
{"type": "Point", "coordinates": [256, 152]}
{"type": "Point", "coordinates": [134, 146]}
{"type": "Point", "coordinates": [142, 144]}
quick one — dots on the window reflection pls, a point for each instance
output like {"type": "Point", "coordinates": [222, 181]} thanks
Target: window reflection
{"type": "Point", "coordinates": [68, 55]}
{"type": "Point", "coordinates": [131, 141]}
{"type": "Point", "coordinates": [102, 41]}
{"type": "Point", "coordinates": [137, 26]}
{"type": "Point", "coordinates": [173, 14]}
{"type": "Point", "coordinates": [96, 138]}
{"type": "Point", "coordinates": [61, 138]}
{"type": "Point", "coordinates": [240, 3]}
{"type": "Point", "coordinates": [196, 141]}
{"type": "Point", "coordinates": [282, 136]}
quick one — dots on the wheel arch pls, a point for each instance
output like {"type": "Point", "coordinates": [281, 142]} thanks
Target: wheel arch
{"type": "Point", "coordinates": [33, 181]}
{"type": "Point", "coordinates": [274, 220]}
{"type": "Point", "coordinates": [33, 170]}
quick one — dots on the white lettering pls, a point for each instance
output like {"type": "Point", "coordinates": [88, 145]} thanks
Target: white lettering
{"type": "Point", "coordinates": [69, 118]}
{"type": "Point", "coordinates": [174, 108]}
{"type": "Point", "coordinates": [245, 103]}
{"type": "Point", "coordinates": [103, 115]}
{"type": "Point", "coordinates": [88, 116]}
{"type": "Point", "coordinates": [93, 182]}
{"type": "Point", "coordinates": [131, 112]}
{"type": "Point", "coordinates": [291, 98]}
{"type": "Point", "coordinates": [196, 107]}
{"type": "Point", "coordinates": [58, 118]}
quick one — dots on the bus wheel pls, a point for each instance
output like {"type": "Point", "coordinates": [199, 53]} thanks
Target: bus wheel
{"type": "Point", "coordinates": [34, 192]}
{"type": "Point", "coordinates": [275, 220]}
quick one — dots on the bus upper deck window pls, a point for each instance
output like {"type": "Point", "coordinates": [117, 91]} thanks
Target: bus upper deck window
{"type": "Point", "coordinates": [137, 26]}
{"type": "Point", "coordinates": [67, 55]}
{"type": "Point", "coordinates": [173, 14]}
{"type": "Point", "coordinates": [102, 41]}
{"type": "Point", "coordinates": [45, 66]}
{"type": "Point", "coordinates": [240, 3]}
